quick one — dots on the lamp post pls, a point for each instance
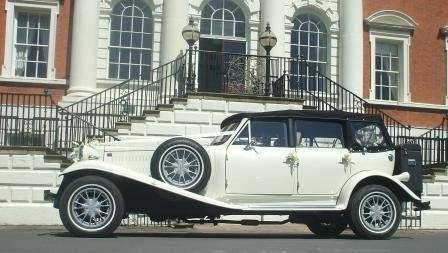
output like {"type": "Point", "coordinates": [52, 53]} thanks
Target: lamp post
{"type": "Point", "coordinates": [191, 34]}
{"type": "Point", "coordinates": [268, 40]}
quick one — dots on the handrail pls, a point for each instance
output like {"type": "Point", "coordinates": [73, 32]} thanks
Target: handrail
{"type": "Point", "coordinates": [132, 97]}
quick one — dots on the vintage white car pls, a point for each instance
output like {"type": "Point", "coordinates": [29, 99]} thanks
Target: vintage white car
{"type": "Point", "coordinates": [323, 169]}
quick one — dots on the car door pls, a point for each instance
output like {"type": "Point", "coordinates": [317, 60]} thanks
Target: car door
{"type": "Point", "coordinates": [258, 166]}
{"type": "Point", "coordinates": [322, 166]}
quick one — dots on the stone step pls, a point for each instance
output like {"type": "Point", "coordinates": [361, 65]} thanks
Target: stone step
{"type": "Point", "coordinates": [165, 107]}
{"type": "Point", "coordinates": [123, 125]}
{"type": "Point", "coordinates": [151, 113]}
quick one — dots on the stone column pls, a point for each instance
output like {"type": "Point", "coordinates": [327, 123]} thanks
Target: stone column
{"type": "Point", "coordinates": [274, 13]}
{"type": "Point", "coordinates": [351, 46]}
{"type": "Point", "coordinates": [174, 18]}
{"type": "Point", "coordinates": [84, 48]}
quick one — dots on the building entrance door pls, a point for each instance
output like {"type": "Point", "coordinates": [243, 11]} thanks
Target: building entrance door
{"type": "Point", "coordinates": [216, 57]}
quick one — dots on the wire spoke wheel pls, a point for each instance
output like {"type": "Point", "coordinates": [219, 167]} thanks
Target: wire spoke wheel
{"type": "Point", "coordinates": [91, 207]}
{"type": "Point", "coordinates": [377, 212]}
{"type": "Point", "coordinates": [181, 167]}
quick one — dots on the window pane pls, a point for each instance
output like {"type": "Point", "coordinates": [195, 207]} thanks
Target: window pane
{"type": "Point", "coordinates": [138, 25]}
{"type": "Point", "coordinates": [319, 134]}
{"type": "Point", "coordinates": [124, 72]}
{"type": "Point", "coordinates": [242, 138]}
{"type": "Point", "coordinates": [125, 39]}
{"type": "Point", "coordinates": [395, 64]}
{"type": "Point", "coordinates": [22, 19]}
{"type": "Point", "coordinates": [239, 15]}
{"type": "Point", "coordinates": [114, 38]}
{"type": "Point", "coordinates": [145, 72]}
{"type": "Point", "coordinates": [228, 15]}
{"type": "Point", "coordinates": [44, 21]}
{"type": "Point", "coordinates": [268, 134]}
{"type": "Point", "coordinates": [126, 24]}
{"type": "Point", "coordinates": [240, 29]}
{"type": "Point", "coordinates": [21, 35]}
{"type": "Point", "coordinates": [147, 26]}
{"type": "Point", "coordinates": [230, 5]}
{"type": "Point", "coordinates": [32, 36]}
{"type": "Point", "coordinates": [218, 14]}
{"type": "Point", "coordinates": [368, 135]}
{"type": "Point", "coordinates": [113, 55]}
{"type": "Point", "coordinates": [137, 40]}
{"type": "Point", "coordinates": [33, 20]}
{"type": "Point", "coordinates": [115, 23]}
{"type": "Point", "coordinates": [113, 70]}
{"type": "Point", "coordinates": [378, 62]}
{"type": "Point", "coordinates": [42, 70]}
{"type": "Point", "coordinates": [146, 57]}
{"type": "Point", "coordinates": [205, 26]}
{"type": "Point", "coordinates": [44, 36]}
{"type": "Point", "coordinates": [31, 69]}
{"type": "Point", "coordinates": [228, 28]}
{"type": "Point", "coordinates": [124, 56]}
{"type": "Point", "coordinates": [216, 27]}
{"type": "Point", "coordinates": [43, 54]}
{"type": "Point", "coordinates": [135, 71]}
{"type": "Point", "coordinates": [147, 41]}
{"type": "Point", "coordinates": [135, 56]}
{"type": "Point", "coordinates": [32, 53]}
{"type": "Point", "coordinates": [216, 4]}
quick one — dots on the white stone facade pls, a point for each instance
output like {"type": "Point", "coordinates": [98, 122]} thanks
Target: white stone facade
{"type": "Point", "coordinates": [168, 42]}
{"type": "Point", "coordinates": [23, 179]}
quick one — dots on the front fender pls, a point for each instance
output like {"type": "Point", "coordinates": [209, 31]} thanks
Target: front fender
{"type": "Point", "coordinates": [374, 177]}
{"type": "Point", "coordinates": [100, 167]}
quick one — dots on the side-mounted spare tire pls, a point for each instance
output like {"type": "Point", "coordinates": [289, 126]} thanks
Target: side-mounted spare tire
{"type": "Point", "coordinates": [183, 163]}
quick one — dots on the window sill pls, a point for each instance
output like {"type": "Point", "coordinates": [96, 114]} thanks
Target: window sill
{"type": "Point", "coordinates": [33, 81]}
{"type": "Point", "coordinates": [408, 105]}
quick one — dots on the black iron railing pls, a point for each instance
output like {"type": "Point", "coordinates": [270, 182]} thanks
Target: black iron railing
{"type": "Point", "coordinates": [37, 121]}
{"type": "Point", "coordinates": [434, 145]}
{"type": "Point", "coordinates": [134, 96]}
{"type": "Point", "coordinates": [221, 72]}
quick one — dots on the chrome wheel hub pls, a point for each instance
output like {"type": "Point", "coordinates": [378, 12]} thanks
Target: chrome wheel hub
{"type": "Point", "coordinates": [181, 167]}
{"type": "Point", "coordinates": [91, 207]}
{"type": "Point", "coordinates": [377, 212]}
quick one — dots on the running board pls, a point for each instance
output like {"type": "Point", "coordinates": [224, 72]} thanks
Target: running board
{"type": "Point", "coordinates": [244, 222]}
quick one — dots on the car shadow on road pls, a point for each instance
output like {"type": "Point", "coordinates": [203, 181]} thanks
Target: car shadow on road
{"type": "Point", "coordinates": [215, 235]}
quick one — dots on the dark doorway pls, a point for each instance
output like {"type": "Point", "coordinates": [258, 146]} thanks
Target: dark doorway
{"type": "Point", "coordinates": [215, 56]}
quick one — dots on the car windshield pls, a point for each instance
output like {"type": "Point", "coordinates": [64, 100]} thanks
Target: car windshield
{"type": "Point", "coordinates": [223, 138]}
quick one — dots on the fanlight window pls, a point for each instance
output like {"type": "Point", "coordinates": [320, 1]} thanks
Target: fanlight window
{"type": "Point", "coordinates": [223, 18]}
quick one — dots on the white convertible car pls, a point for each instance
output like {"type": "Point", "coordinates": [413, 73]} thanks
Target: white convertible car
{"type": "Point", "coordinates": [323, 169]}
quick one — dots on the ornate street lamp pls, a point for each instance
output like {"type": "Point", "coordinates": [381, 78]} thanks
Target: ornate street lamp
{"type": "Point", "coordinates": [191, 34]}
{"type": "Point", "coordinates": [268, 40]}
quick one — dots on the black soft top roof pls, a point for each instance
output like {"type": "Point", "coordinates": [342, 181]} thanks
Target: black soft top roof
{"type": "Point", "coordinates": [337, 115]}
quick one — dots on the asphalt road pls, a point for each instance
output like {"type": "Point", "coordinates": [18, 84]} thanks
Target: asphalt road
{"type": "Point", "coordinates": [222, 239]}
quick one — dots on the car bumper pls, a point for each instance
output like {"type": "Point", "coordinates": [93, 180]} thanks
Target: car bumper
{"type": "Point", "coordinates": [421, 206]}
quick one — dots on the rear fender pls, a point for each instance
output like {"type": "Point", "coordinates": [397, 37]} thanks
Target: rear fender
{"type": "Point", "coordinates": [363, 178]}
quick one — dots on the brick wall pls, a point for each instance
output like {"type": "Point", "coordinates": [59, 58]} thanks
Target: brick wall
{"type": "Point", "coordinates": [427, 56]}
{"type": "Point", "coordinates": [62, 55]}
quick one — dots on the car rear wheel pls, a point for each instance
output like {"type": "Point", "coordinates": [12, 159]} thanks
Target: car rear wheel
{"type": "Point", "coordinates": [91, 206]}
{"type": "Point", "coordinates": [374, 212]}
{"type": "Point", "coordinates": [183, 163]}
{"type": "Point", "coordinates": [326, 225]}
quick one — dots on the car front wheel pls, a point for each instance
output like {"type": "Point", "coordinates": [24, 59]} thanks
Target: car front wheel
{"type": "Point", "coordinates": [91, 206]}
{"type": "Point", "coordinates": [374, 212]}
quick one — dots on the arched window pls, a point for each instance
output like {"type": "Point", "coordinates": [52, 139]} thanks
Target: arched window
{"type": "Point", "coordinates": [309, 41]}
{"type": "Point", "coordinates": [223, 18]}
{"type": "Point", "coordinates": [131, 37]}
